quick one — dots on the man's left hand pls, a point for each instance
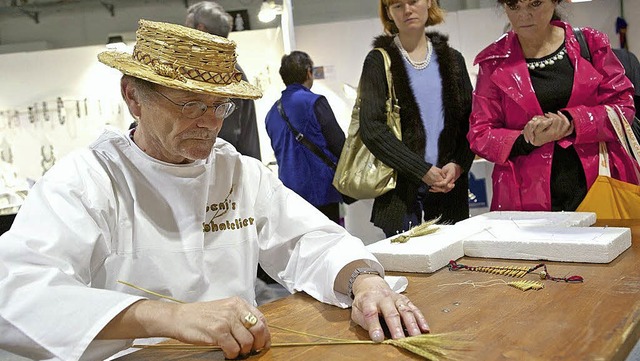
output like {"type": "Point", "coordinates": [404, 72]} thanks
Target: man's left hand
{"type": "Point", "coordinates": [374, 297]}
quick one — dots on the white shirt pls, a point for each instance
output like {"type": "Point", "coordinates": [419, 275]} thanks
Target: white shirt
{"type": "Point", "coordinates": [195, 232]}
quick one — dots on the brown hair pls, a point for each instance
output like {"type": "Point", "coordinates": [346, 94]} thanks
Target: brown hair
{"type": "Point", "coordinates": [436, 15]}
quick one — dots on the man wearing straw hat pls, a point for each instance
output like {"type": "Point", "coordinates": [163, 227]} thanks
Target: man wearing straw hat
{"type": "Point", "coordinates": [169, 208]}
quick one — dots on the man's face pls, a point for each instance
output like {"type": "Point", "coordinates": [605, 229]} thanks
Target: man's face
{"type": "Point", "coordinates": [168, 134]}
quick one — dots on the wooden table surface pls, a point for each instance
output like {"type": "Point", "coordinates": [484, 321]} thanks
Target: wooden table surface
{"type": "Point", "coordinates": [595, 320]}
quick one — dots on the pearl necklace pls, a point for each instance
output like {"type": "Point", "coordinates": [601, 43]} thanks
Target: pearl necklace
{"type": "Point", "coordinates": [541, 64]}
{"type": "Point", "coordinates": [418, 65]}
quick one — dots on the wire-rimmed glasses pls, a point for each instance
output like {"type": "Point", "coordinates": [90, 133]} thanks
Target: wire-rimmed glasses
{"type": "Point", "coordinates": [195, 108]}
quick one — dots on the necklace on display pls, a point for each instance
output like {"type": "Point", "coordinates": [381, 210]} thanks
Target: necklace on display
{"type": "Point", "coordinates": [48, 158]}
{"type": "Point", "coordinates": [541, 64]}
{"type": "Point", "coordinates": [418, 65]}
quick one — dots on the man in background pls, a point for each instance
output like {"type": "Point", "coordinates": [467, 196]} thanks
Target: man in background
{"type": "Point", "coordinates": [240, 129]}
{"type": "Point", "coordinates": [632, 71]}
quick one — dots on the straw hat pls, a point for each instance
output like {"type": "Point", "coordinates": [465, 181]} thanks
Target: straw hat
{"type": "Point", "coordinates": [183, 58]}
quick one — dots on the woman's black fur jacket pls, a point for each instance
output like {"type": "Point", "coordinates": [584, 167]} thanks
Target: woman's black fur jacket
{"type": "Point", "coordinates": [407, 156]}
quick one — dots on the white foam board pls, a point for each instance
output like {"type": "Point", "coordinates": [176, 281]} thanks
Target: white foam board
{"type": "Point", "coordinates": [425, 254]}
{"type": "Point", "coordinates": [567, 244]}
{"type": "Point", "coordinates": [532, 219]}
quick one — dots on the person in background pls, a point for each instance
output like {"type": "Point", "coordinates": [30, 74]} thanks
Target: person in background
{"type": "Point", "coordinates": [433, 89]}
{"type": "Point", "coordinates": [632, 71]}
{"type": "Point", "coordinates": [171, 208]}
{"type": "Point", "coordinates": [539, 110]}
{"type": "Point", "coordinates": [310, 114]}
{"type": "Point", "coordinates": [241, 129]}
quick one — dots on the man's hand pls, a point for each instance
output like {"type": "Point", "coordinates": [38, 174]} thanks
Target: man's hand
{"type": "Point", "coordinates": [373, 297]}
{"type": "Point", "coordinates": [220, 323]}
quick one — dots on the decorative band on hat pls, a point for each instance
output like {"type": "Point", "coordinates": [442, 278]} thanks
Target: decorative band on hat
{"type": "Point", "coordinates": [183, 72]}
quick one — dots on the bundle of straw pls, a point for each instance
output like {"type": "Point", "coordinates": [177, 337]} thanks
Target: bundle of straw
{"type": "Point", "coordinates": [429, 346]}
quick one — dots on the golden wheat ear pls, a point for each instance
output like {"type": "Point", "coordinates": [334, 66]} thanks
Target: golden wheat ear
{"type": "Point", "coordinates": [526, 285]}
{"type": "Point", "coordinates": [423, 229]}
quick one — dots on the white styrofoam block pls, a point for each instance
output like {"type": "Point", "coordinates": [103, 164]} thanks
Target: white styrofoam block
{"type": "Point", "coordinates": [425, 254]}
{"type": "Point", "coordinates": [532, 219]}
{"type": "Point", "coordinates": [567, 244]}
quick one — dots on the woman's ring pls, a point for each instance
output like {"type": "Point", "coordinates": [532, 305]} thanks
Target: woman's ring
{"type": "Point", "coordinates": [249, 320]}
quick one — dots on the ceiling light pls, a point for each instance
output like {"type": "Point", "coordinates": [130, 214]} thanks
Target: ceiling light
{"type": "Point", "coordinates": [268, 11]}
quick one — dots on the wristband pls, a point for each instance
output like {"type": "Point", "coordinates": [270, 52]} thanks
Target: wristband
{"type": "Point", "coordinates": [355, 274]}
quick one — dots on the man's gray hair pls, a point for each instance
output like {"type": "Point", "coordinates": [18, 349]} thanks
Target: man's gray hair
{"type": "Point", "coordinates": [212, 16]}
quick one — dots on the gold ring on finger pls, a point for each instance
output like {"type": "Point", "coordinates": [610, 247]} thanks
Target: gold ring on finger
{"type": "Point", "coordinates": [249, 320]}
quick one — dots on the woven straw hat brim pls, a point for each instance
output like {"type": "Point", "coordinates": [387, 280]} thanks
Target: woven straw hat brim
{"type": "Point", "coordinates": [129, 66]}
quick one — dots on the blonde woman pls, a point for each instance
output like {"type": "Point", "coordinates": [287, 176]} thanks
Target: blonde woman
{"type": "Point", "coordinates": [434, 93]}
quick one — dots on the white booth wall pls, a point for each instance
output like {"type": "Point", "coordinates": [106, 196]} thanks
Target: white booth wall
{"type": "Point", "coordinates": [90, 91]}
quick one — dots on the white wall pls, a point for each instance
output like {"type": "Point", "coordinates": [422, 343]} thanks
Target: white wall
{"type": "Point", "coordinates": [259, 53]}
{"type": "Point", "coordinates": [31, 79]}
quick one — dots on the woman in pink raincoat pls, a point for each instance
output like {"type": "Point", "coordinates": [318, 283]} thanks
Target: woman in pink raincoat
{"type": "Point", "coordinates": [539, 110]}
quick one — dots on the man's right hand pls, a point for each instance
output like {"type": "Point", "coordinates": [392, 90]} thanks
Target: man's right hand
{"type": "Point", "coordinates": [221, 323]}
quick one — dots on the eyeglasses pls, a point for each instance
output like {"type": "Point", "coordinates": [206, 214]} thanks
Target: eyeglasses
{"type": "Point", "coordinates": [195, 108]}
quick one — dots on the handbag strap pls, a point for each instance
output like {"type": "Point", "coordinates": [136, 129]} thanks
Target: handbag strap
{"type": "Point", "coordinates": [584, 47]}
{"type": "Point", "coordinates": [391, 93]}
{"type": "Point", "coordinates": [625, 135]}
{"type": "Point", "coordinates": [603, 160]}
{"type": "Point", "coordinates": [302, 139]}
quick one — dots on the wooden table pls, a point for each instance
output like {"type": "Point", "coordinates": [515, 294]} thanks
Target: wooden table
{"type": "Point", "coordinates": [595, 320]}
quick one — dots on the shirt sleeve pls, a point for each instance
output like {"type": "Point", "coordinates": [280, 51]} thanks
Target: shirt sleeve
{"type": "Point", "coordinates": [333, 134]}
{"type": "Point", "coordinates": [375, 132]}
{"type": "Point", "coordinates": [48, 308]}
{"type": "Point", "coordinates": [300, 247]}
{"type": "Point", "coordinates": [590, 119]}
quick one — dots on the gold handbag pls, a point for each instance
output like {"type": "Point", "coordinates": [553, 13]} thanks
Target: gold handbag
{"type": "Point", "coordinates": [611, 198]}
{"type": "Point", "coordinates": [359, 174]}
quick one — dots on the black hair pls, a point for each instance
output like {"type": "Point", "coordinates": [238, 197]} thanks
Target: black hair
{"type": "Point", "coordinates": [513, 2]}
{"type": "Point", "coordinates": [555, 16]}
{"type": "Point", "coordinates": [295, 67]}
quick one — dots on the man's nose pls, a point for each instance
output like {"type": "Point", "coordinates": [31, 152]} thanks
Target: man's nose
{"type": "Point", "coordinates": [210, 120]}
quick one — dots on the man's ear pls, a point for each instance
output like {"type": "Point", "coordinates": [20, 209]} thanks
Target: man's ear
{"type": "Point", "coordinates": [131, 97]}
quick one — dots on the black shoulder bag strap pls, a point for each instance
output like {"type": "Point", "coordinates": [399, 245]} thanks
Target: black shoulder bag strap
{"type": "Point", "coordinates": [301, 138]}
{"type": "Point", "coordinates": [584, 47]}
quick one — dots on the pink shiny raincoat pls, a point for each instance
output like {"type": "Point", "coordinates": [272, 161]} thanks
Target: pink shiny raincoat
{"type": "Point", "coordinates": [504, 101]}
